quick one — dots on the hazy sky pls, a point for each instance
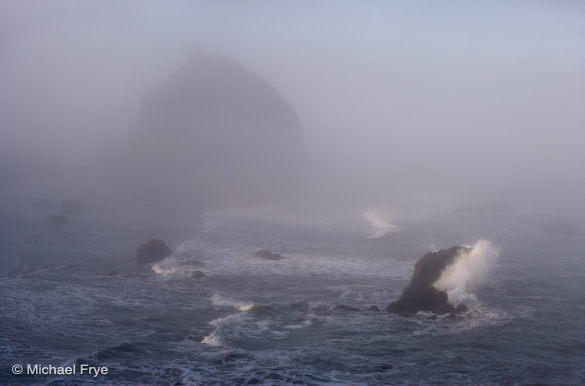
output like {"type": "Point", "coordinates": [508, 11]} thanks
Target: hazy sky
{"type": "Point", "coordinates": [489, 94]}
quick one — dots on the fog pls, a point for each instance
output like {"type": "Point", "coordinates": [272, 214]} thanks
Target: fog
{"type": "Point", "coordinates": [398, 103]}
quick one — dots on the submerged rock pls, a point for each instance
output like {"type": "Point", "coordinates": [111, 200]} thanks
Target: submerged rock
{"type": "Point", "coordinates": [57, 219]}
{"type": "Point", "coordinates": [373, 309]}
{"type": "Point", "coordinates": [152, 251]}
{"type": "Point", "coordinates": [420, 294]}
{"type": "Point", "coordinates": [267, 255]}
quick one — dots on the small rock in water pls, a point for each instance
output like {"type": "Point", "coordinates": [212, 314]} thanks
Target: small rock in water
{"type": "Point", "coordinates": [267, 255]}
{"type": "Point", "coordinates": [197, 274]}
{"type": "Point", "coordinates": [374, 309]}
{"type": "Point", "coordinates": [57, 219]}
{"type": "Point", "coordinates": [152, 251]}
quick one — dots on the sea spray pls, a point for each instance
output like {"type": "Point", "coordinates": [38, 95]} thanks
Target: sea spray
{"type": "Point", "coordinates": [380, 224]}
{"type": "Point", "coordinates": [469, 270]}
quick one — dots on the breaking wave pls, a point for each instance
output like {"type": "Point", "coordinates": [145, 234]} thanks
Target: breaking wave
{"type": "Point", "coordinates": [469, 271]}
{"type": "Point", "coordinates": [218, 300]}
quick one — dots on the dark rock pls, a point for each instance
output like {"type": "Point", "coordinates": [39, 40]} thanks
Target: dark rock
{"type": "Point", "coordinates": [57, 219]}
{"type": "Point", "coordinates": [71, 207]}
{"type": "Point", "coordinates": [561, 229]}
{"type": "Point", "coordinates": [343, 307]}
{"type": "Point", "coordinates": [197, 274]}
{"type": "Point", "coordinates": [373, 308]}
{"type": "Point", "coordinates": [420, 294]}
{"type": "Point", "coordinates": [267, 255]}
{"type": "Point", "coordinates": [152, 251]}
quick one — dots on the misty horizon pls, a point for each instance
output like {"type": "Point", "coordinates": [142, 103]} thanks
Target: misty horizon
{"type": "Point", "coordinates": [481, 103]}
{"type": "Point", "coordinates": [292, 192]}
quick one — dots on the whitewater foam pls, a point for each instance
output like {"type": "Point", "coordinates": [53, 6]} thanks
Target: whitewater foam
{"type": "Point", "coordinates": [215, 338]}
{"type": "Point", "coordinates": [176, 267]}
{"type": "Point", "coordinates": [218, 300]}
{"type": "Point", "coordinates": [469, 271]}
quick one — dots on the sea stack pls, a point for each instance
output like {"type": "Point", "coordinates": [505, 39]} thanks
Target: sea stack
{"type": "Point", "coordinates": [214, 135]}
{"type": "Point", "coordinates": [420, 294]}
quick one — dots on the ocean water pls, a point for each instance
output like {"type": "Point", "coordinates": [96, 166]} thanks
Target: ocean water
{"type": "Point", "coordinates": [73, 294]}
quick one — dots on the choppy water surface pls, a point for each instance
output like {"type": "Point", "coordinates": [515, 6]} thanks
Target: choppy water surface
{"type": "Point", "coordinates": [73, 294]}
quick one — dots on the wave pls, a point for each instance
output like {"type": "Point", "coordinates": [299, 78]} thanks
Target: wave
{"type": "Point", "coordinates": [215, 338]}
{"type": "Point", "coordinates": [469, 271]}
{"type": "Point", "coordinates": [175, 266]}
{"type": "Point", "coordinates": [219, 300]}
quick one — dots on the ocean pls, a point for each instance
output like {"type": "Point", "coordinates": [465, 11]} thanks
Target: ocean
{"type": "Point", "coordinates": [73, 295]}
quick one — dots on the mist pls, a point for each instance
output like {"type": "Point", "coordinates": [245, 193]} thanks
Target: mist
{"type": "Point", "coordinates": [292, 192]}
{"type": "Point", "coordinates": [398, 104]}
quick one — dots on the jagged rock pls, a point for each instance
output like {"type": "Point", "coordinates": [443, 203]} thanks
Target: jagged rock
{"type": "Point", "coordinates": [343, 307]}
{"type": "Point", "coordinates": [71, 207]}
{"type": "Point", "coordinates": [57, 219]}
{"type": "Point", "coordinates": [420, 294]}
{"type": "Point", "coordinates": [267, 255]}
{"type": "Point", "coordinates": [152, 251]}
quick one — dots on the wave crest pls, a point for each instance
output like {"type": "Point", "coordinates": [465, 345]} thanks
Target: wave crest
{"type": "Point", "coordinates": [468, 272]}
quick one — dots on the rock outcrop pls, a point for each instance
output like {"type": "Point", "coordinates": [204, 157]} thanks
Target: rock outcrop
{"type": "Point", "coordinates": [214, 135]}
{"type": "Point", "coordinates": [267, 255]}
{"type": "Point", "coordinates": [420, 294]}
{"type": "Point", "coordinates": [57, 219]}
{"type": "Point", "coordinates": [152, 251]}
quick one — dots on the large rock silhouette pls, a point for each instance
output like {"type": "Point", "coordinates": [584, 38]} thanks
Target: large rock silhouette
{"type": "Point", "coordinates": [420, 294]}
{"type": "Point", "coordinates": [214, 135]}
